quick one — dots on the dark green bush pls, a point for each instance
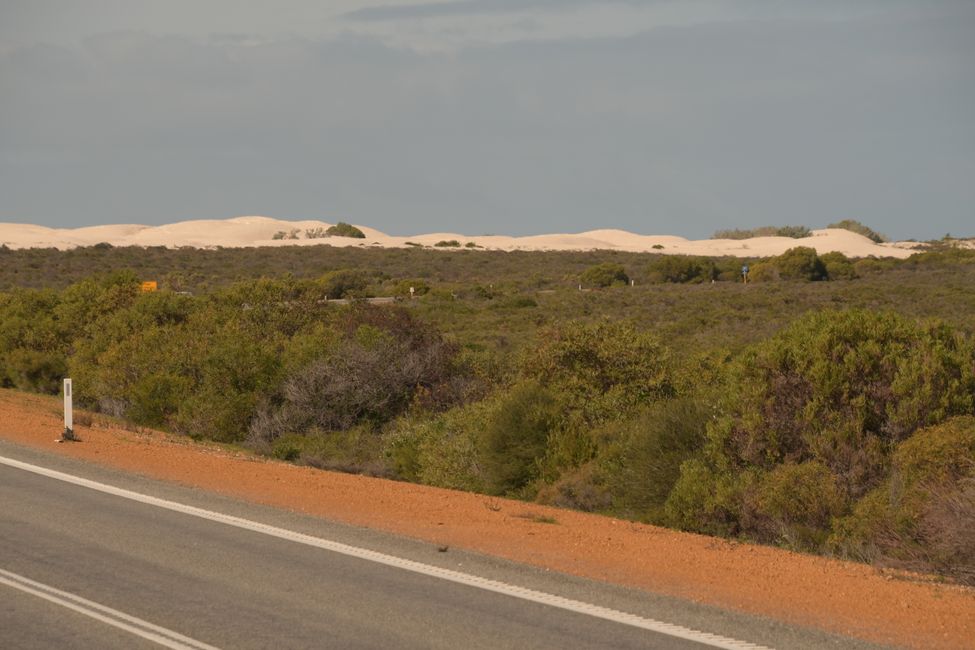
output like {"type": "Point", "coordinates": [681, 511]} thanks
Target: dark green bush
{"type": "Point", "coordinates": [39, 371]}
{"type": "Point", "coordinates": [515, 438]}
{"type": "Point", "coordinates": [345, 283]}
{"type": "Point", "coordinates": [800, 263]}
{"type": "Point", "coordinates": [796, 232]}
{"type": "Point", "coordinates": [607, 274]}
{"type": "Point", "coordinates": [682, 269]}
{"type": "Point", "coordinates": [838, 266]}
{"type": "Point", "coordinates": [647, 451]}
{"type": "Point", "coordinates": [342, 229]}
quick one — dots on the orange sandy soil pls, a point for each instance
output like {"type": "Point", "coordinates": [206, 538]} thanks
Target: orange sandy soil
{"type": "Point", "coordinates": [841, 597]}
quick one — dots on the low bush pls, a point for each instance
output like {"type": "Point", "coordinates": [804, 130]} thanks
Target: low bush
{"type": "Point", "coordinates": [515, 438]}
{"type": "Point", "coordinates": [796, 232]}
{"type": "Point", "coordinates": [682, 269]}
{"type": "Point", "coordinates": [645, 453]}
{"type": "Point", "coordinates": [922, 517]}
{"type": "Point", "coordinates": [601, 370]}
{"type": "Point", "coordinates": [838, 266]}
{"type": "Point", "coordinates": [838, 389]}
{"type": "Point", "coordinates": [342, 229]}
{"type": "Point", "coordinates": [800, 263]}
{"type": "Point", "coordinates": [603, 275]}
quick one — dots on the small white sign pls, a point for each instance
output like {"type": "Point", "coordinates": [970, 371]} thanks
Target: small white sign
{"type": "Point", "coordinates": [68, 415]}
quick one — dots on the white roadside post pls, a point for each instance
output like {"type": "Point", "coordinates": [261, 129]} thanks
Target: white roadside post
{"type": "Point", "coordinates": [68, 414]}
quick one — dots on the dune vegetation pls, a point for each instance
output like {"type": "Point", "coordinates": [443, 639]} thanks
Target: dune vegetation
{"type": "Point", "coordinates": [828, 405]}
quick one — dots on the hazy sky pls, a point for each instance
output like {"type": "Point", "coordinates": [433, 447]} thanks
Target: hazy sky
{"type": "Point", "coordinates": [492, 116]}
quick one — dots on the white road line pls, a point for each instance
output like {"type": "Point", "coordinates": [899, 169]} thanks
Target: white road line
{"type": "Point", "coordinates": [97, 611]}
{"type": "Point", "coordinates": [597, 611]}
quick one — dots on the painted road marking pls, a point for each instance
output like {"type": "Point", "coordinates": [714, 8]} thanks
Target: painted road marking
{"type": "Point", "coordinates": [97, 611]}
{"type": "Point", "coordinates": [568, 604]}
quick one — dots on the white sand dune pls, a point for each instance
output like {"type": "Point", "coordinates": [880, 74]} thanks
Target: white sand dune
{"type": "Point", "coordinates": [260, 231]}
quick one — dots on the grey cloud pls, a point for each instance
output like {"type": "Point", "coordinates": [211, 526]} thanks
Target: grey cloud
{"type": "Point", "coordinates": [464, 8]}
{"type": "Point", "coordinates": [679, 130]}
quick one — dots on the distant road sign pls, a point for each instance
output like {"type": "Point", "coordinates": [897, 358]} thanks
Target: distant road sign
{"type": "Point", "coordinates": [149, 286]}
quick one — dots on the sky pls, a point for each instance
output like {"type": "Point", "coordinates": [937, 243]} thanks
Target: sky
{"type": "Point", "coordinates": [517, 117]}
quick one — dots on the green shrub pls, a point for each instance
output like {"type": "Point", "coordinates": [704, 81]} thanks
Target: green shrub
{"type": "Point", "coordinates": [515, 438]}
{"type": "Point", "coordinates": [837, 388]}
{"type": "Point", "coordinates": [607, 274]}
{"type": "Point", "coordinates": [39, 371]}
{"type": "Point", "coordinates": [440, 451]}
{"type": "Point", "coordinates": [345, 283]}
{"type": "Point", "coordinates": [838, 266]}
{"type": "Point", "coordinates": [604, 370]}
{"type": "Point", "coordinates": [860, 229]}
{"type": "Point", "coordinates": [796, 232]}
{"type": "Point", "coordinates": [800, 263]}
{"type": "Point", "coordinates": [923, 516]}
{"type": "Point", "coordinates": [682, 269]}
{"type": "Point", "coordinates": [355, 451]}
{"type": "Point", "coordinates": [842, 386]}
{"type": "Point", "coordinates": [794, 505]}
{"type": "Point", "coordinates": [708, 501]}
{"type": "Point", "coordinates": [515, 302]}
{"type": "Point", "coordinates": [420, 288]}
{"type": "Point", "coordinates": [448, 243]}
{"type": "Point", "coordinates": [342, 229]}
{"type": "Point", "coordinates": [647, 451]}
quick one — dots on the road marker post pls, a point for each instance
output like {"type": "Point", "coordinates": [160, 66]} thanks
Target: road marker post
{"type": "Point", "coordinates": [68, 433]}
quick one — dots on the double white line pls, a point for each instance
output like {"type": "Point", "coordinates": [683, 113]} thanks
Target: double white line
{"type": "Point", "coordinates": [113, 617]}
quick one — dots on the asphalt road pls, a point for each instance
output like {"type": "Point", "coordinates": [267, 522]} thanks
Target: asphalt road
{"type": "Point", "coordinates": [83, 569]}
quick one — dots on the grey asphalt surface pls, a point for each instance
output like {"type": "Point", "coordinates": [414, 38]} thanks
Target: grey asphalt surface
{"type": "Point", "coordinates": [239, 589]}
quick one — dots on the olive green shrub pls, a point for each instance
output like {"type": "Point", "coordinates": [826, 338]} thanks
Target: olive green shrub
{"type": "Point", "coordinates": [342, 229]}
{"type": "Point", "coordinates": [607, 274]}
{"type": "Point", "coordinates": [922, 517]}
{"type": "Point", "coordinates": [515, 437]}
{"type": "Point", "coordinates": [602, 370]}
{"type": "Point", "coordinates": [682, 269]}
{"type": "Point", "coordinates": [644, 454]}
{"type": "Point", "coordinates": [838, 389]}
{"type": "Point", "coordinates": [800, 263]}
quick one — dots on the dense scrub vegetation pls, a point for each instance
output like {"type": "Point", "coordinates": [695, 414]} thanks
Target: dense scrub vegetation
{"type": "Point", "coordinates": [828, 407]}
{"type": "Point", "coordinates": [796, 232]}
